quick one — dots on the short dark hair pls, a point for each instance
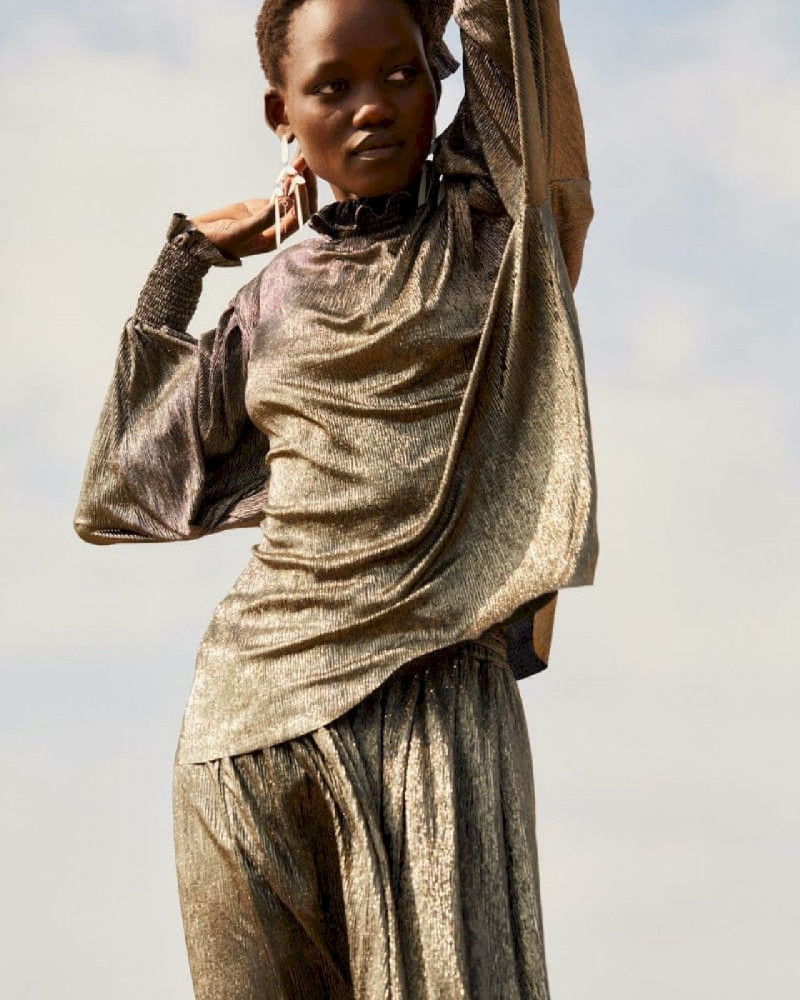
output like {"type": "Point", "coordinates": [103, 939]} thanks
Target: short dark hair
{"type": "Point", "coordinates": [272, 32]}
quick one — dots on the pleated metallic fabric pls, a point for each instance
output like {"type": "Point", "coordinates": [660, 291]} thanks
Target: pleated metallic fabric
{"type": "Point", "coordinates": [398, 401]}
{"type": "Point", "coordinates": [388, 855]}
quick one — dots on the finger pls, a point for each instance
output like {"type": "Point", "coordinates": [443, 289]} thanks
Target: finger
{"type": "Point", "coordinates": [302, 167]}
{"type": "Point", "coordinates": [261, 243]}
{"type": "Point", "coordinates": [235, 211]}
{"type": "Point", "coordinates": [305, 201]}
{"type": "Point", "coordinates": [262, 212]}
{"type": "Point", "coordinates": [289, 222]}
{"type": "Point", "coordinates": [260, 238]}
{"type": "Point", "coordinates": [259, 206]}
{"type": "Point", "coordinates": [263, 239]}
{"type": "Point", "coordinates": [240, 210]}
{"type": "Point", "coordinates": [304, 186]}
{"type": "Point", "coordinates": [260, 219]}
{"type": "Point", "coordinates": [311, 189]}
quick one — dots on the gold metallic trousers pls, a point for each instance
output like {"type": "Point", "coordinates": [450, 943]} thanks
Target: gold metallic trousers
{"type": "Point", "coordinates": [389, 855]}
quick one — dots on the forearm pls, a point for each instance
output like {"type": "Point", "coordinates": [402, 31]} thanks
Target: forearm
{"type": "Point", "coordinates": [171, 400]}
{"type": "Point", "coordinates": [526, 112]}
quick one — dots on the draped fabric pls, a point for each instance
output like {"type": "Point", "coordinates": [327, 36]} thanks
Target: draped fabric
{"type": "Point", "coordinates": [389, 854]}
{"type": "Point", "coordinates": [398, 401]}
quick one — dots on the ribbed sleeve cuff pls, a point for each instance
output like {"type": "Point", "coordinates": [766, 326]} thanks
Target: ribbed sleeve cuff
{"type": "Point", "coordinates": [172, 290]}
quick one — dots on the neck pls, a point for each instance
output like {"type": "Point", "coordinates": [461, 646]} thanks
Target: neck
{"type": "Point", "coordinates": [340, 195]}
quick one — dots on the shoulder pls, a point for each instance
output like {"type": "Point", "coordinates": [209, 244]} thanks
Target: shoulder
{"type": "Point", "coordinates": [459, 160]}
{"type": "Point", "coordinates": [276, 282]}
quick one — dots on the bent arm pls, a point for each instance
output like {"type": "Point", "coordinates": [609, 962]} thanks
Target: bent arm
{"type": "Point", "coordinates": [174, 455]}
{"type": "Point", "coordinates": [521, 119]}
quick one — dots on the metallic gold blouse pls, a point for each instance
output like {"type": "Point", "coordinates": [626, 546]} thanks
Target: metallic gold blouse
{"type": "Point", "coordinates": [398, 401]}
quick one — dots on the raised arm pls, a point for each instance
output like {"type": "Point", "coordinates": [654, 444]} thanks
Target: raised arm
{"type": "Point", "coordinates": [174, 455]}
{"type": "Point", "coordinates": [521, 112]}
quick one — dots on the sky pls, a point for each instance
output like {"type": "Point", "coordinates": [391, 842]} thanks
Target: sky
{"type": "Point", "coordinates": [664, 731]}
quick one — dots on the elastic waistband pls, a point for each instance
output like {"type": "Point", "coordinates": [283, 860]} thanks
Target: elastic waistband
{"type": "Point", "coordinates": [491, 644]}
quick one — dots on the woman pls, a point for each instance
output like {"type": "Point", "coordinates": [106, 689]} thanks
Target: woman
{"type": "Point", "coordinates": [400, 403]}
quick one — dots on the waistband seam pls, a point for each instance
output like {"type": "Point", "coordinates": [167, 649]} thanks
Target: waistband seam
{"type": "Point", "coordinates": [491, 645]}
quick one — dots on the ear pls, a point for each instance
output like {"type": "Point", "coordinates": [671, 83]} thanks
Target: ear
{"type": "Point", "coordinates": [275, 113]}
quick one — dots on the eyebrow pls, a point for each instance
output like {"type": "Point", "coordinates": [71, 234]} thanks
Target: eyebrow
{"type": "Point", "coordinates": [333, 64]}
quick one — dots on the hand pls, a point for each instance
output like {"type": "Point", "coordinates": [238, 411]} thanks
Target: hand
{"type": "Point", "coordinates": [248, 227]}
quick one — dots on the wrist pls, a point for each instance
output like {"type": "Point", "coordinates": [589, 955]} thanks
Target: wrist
{"type": "Point", "coordinates": [172, 290]}
{"type": "Point", "coordinates": [183, 234]}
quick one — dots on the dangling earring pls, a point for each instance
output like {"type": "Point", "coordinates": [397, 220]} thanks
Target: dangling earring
{"type": "Point", "coordinates": [297, 179]}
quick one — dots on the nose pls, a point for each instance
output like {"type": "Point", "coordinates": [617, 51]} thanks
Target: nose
{"type": "Point", "coordinates": [374, 109]}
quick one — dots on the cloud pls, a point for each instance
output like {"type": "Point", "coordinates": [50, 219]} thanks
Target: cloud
{"type": "Point", "coordinates": [711, 94]}
{"type": "Point", "coordinates": [663, 731]}
{"type": "Point", "coordinates": [693, 140]}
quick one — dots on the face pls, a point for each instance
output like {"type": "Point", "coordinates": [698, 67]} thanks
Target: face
{"type": "Point", "coordinates": [359, 96]}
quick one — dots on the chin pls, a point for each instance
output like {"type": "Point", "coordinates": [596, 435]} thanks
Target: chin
{"type": "Point", "coordinates": [372, 183]}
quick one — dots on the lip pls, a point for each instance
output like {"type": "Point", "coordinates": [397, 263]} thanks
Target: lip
{"type": "Point", "coordinates": [377, 149]}
{"type": "Point", "coordinates": [378, 152]}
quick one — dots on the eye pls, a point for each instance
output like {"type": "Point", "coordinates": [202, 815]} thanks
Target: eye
{"type": "Point", "coordinates": [404, 74]}
{"type": "Point", "coordinates": [331, 87]}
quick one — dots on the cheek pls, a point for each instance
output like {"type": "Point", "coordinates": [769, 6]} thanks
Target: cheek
{"type": "Point", "coordinates": [423, 110]}
{"type": "Point", "coordinates": [322, 141]}
{"type": "Point", "coordinates": [322, 129]}
{"type": "Point", "coordinates": [424, 105]}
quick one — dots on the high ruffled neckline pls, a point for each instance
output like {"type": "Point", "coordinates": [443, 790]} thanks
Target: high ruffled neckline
{"type": "Point", "coordinates": [375, 215]}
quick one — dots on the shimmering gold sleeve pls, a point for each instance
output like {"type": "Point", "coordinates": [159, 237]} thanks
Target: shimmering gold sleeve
{"type": "Point", "coordinates": [175, 455]}
{"type": "Point", "coordinates": [520, 124]}
{"type": "Point", "coordinates": [522, 114]}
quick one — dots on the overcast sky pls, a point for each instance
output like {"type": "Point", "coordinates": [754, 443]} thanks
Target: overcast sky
{"type": "Point", "coordinates": [664, 731]}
